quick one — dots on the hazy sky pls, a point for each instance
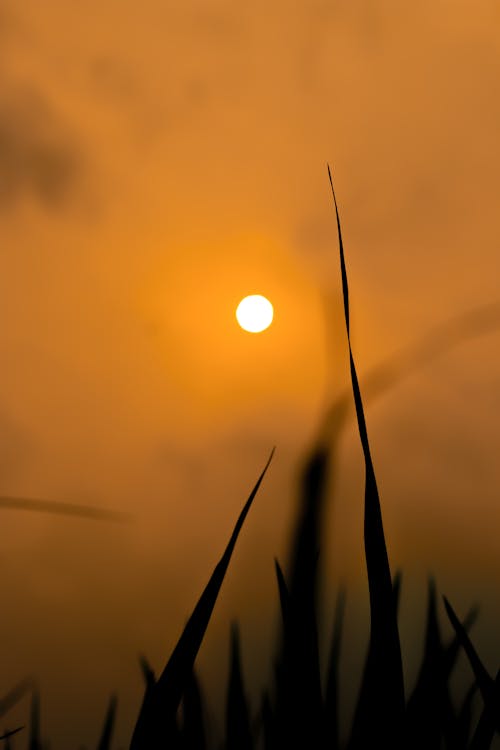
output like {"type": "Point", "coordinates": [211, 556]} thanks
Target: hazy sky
{"type": "Point", "coordinates": [158, 161]}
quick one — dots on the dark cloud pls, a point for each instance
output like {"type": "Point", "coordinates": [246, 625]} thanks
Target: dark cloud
{"type": "Point", "coordinates": [37, 157]}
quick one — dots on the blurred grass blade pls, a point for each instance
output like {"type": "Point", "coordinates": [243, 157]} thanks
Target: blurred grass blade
{"type": "Point", "coordinates": [9, 733]}
{"type": "Point", "coordinates": [488, 721]}
{"type": "Point", "coordinates": [60, 508]}
{"type": "Point", "coordinates": [484, 681]}
{"type": "Point", "coordinates": [382, 699]}
{"type": "Point", "coordinates": [463, 723]}
{"type": "Point", "coordinates": [109, 724]}
{"type": "Point", "coordinates": [15, 695]}
{"type": "Point", "coordinates": [157, 719]}
{"type": "Point", "coordinates": [35, 742]}
{"type": "Point", "coordinates": [238, 730]}
{"type": "Point", "coordinates": [147, 671]}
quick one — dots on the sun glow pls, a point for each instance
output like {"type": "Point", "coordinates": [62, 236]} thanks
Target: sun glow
{"type": "Point", "coordinates": [254, 313]}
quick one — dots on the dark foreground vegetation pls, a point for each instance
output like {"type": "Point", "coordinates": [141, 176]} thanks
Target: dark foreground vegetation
{"type": "Point", "coordinates": [300, 709]}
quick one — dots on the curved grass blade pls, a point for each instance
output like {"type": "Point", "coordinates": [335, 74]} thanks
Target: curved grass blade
{"type": "Point", "coordinates": [109, 724]}
{"type": "Point", "coordinates": [157, 718]}
{"type": "Point", "coordinates": [382, 700]}
{"type": "Point", "coordinates": [61, 508]}
{"type": "Point", "coordinates": [238, 729]}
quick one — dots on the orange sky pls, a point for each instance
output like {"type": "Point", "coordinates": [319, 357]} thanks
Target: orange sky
{"type": "Point", "coordinates": [158, 161]}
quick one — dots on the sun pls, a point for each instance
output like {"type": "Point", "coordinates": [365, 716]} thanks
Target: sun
{"type": "Point", "coordinates": [254, 313]}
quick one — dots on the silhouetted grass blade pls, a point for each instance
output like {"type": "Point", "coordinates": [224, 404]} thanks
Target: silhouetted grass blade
{"type": "Point", "coordinates": [299, 700]}
{"type": "Point", "coordinates": [35, 742]}
{"type": "Point", "coordinates": [283, 594]}
{"type": "Point", "coordinates": [156, 725]}
{"type": "Point", "coordinates": [331, 720]}
{"type": "Point", "coordinates": [463, 723]}
{"type": "Point", "coordinates": [484, 681]}
{"type": "Point", "coordinates": [429, 712]}
{"type": "Point", "coordinates": [382, 695]}
{"type": "Point", "coordinates": [193, 730]}
{"type": "Point", "coordinates": [488, 721]}
{"type": "Point", "coordinates": [238, 729]}
{"type": "Point", "coordinates": [109, 724]}
{"type": "Point", "coordinates": [489, 688]}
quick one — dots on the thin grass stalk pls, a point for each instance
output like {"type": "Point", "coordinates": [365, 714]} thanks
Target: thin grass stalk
{"type": "Point", "coordinates": [383, 699]}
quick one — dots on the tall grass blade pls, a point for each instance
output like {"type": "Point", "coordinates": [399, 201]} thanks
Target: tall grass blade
{"type": "Point", "coordinates": [382, 698]}
{"type": "Point", "coordinates": [156, 724]}
{"type": "Point", "coordinates": [109, 725]}
{"type": "Point", "coordinates": [238, 729]}
{"type": "Point", "coordinates": [299, 703]}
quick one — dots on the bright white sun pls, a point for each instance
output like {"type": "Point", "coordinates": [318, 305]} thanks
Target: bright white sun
{"type": "Point", "coordinates": [254, 313]}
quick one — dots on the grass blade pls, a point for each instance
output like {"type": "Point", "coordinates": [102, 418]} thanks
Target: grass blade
{"type": "Point", "coordinates": [109, 724]}
{"type": "Point", "coordinates": [14, 695]}
{"type": "Point", "coordinates": [331, 721]}
{"type": "Point", "coordinates": [35, 742]}
{"type": "Point", "coordinates": [193, 722]}
{"type": "Point", "coordinates": [382, 700]}
{"type": "Point", "coordinates": [61, 508]}
{"type": "Point", "coordinates": [156, 724]}
{"type": "Point", "coordinates": [238, 730]}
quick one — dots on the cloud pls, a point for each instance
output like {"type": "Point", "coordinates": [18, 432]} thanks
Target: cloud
{"type": "Point", "coordinates": [37, 156]}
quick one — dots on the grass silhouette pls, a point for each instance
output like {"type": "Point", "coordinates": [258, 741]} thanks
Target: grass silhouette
{"type": "Point", "coordinates": [296, 710]}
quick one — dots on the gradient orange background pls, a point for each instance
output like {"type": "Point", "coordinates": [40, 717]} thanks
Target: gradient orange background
{"type": "Point", "coordinates": [158, 161]}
